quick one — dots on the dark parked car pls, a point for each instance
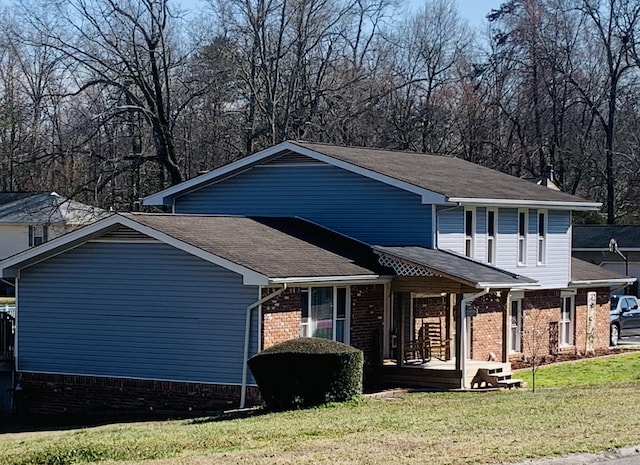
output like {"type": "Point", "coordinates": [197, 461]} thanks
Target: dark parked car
{"type": "Point", "coordinates": [624, 317]}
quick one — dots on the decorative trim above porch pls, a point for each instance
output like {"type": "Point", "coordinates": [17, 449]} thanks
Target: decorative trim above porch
{"type": "Point", "coordinates": [421, 261]}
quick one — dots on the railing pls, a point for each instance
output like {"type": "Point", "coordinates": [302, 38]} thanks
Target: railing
{"type": "Point", "coordinates": [7, 330]}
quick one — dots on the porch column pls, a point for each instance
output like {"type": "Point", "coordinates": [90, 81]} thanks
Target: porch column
{"type": "Point", "coordinates": [459, 342]}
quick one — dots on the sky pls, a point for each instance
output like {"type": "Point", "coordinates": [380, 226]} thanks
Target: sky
{"type": "Point", "coordinates": [475, 11]}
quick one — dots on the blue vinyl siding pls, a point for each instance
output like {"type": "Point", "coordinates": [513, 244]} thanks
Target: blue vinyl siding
{"type": "Point", "coordinates": [354, 205]}
{"type": "Point", "coordinates": [140, 310]}
{"type": "Point", "coordinates": [451, 229]}
{"type": "Point", "coordinates": [555, 272]}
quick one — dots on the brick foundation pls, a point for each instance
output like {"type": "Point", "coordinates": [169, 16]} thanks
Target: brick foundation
{"type": "Point", "coordinates": [48, 394]}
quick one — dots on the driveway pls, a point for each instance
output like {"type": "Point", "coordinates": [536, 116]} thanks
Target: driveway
{"type": "Point", "coordinates": [629, 341]}
{"type": "Point", "coordinates": [623, 456]}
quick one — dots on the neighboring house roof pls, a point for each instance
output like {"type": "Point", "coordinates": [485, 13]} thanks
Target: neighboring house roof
{"type": "Point", "coordinates": [45, 208]}
{"type": "Point", "coordinates": [456, 267]}
{"type": "Point", "coordinates": [438, 178]}
{"type": "Point", "coordinates": [262, 250]}
{"type": "Point", "coordinates": [587, 274]}
{"type": "Point", "coordinates": [597, 237]}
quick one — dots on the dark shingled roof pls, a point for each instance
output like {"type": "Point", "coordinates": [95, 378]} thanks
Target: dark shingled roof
{"type": "Point", "coordinates": [456, 267]}
{"type": "Point", "coordinates": [274, 247]}
{"type": "Point", "coordinates": [45, 208]}
{"type": "Point", "coordinates": [585, 271]}
{"type": "Point", "coordinates": [596, 236]}
{"type": "Point", "coordinates": [452, 177]}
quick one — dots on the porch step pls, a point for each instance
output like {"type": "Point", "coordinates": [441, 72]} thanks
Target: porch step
{"type": "Point", "coordinates": [494, 378]}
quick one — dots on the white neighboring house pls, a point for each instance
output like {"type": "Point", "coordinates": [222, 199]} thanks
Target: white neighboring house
{"type": "Point", "coordinates": [28, 219]}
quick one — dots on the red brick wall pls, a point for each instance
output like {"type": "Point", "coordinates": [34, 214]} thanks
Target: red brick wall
{"type": "Point", "coordinates": [486, 327]}
{"type": "Point", "coordinates": [281, 317]}
{"type": "Point", "coordinates": [367, 321]}
{"type": "Point", "coordinates": [541, 314]}
{"type": "Point", "coordinates": [44, 394]}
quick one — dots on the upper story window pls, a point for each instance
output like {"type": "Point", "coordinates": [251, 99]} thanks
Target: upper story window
{"type": "Point", "coordinates": [522, 237]}
{"type": "Point", "coordinates": [492, 222]}
{"type": "Point", "coordinates": [542, 237]}
{"type": "Point", "coordinates": [469, 231]}
{"type": "Point", "coordinates": [37, 235]}
{"type": "Point", "coordinates": [325, 313]}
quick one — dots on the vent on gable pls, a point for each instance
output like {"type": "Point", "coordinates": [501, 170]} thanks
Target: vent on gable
{"type": "Point", "coordinates": [124, 234]}
{"type": "Point", "coordinates": [293, 158]}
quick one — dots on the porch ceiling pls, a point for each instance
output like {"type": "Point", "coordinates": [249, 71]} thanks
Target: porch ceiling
{"type": "Point", "coordinates": [418, 261]}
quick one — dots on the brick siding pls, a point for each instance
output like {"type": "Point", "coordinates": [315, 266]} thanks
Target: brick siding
{"type": "Point", "coordinates": [541, 315]}
{"type": "Point", "coordinates": [46, 394]}
{"type": "Point", "coordinates": [281, 317]}
{"type": "Point", "coordinates": [486, 327]}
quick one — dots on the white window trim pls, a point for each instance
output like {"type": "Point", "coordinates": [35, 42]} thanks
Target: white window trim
{"type": "Point", "coordinates": [566, 337]}
{"type": "Point", "coordinates": [516, 298]}
{"type": "Point", "coordinates": [471, 239]}
{"type": "Point", "coordinates": [38, 231]}
{"type": "Point", "coordinates": [522, 239]}
{"type": "Point", "coordinates": [492, 254]}
{"type": "Point", "coordinates": [304, 327]}
{"type": "Point", "coordinates": [542, 239]}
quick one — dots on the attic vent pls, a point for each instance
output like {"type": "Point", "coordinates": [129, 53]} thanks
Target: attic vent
{"type": "Point", "coordinates": [124, 234]}
{"type": "Point", "coordinates": [292, 158]}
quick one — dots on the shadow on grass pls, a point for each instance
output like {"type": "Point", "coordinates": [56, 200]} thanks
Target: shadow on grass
{"type": "Point", "coordinates": [67, 422]}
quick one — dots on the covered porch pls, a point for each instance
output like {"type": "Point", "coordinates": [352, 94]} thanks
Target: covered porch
{"type": "Point", "coordinates": [428, 338]}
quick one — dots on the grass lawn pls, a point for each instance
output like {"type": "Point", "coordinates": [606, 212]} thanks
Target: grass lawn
{"type": "Point", "coordinates": [584, 410]}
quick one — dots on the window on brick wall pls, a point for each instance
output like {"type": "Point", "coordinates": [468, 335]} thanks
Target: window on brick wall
{"type": "Point", "coordinates": [515, 325]}
{"type": "Point", "coordinates": [325, 313]}
{"type": "Point", "coordinates": [567, 321]}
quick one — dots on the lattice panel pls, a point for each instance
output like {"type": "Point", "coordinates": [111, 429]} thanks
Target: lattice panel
{"type": "Point", "coordinates": [403, 268]}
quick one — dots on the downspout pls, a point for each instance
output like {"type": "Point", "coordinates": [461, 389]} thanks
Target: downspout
{"type": "Point", "coordinates": [463, 336]}
{"type": "Point", "coordinates": [247, 330]}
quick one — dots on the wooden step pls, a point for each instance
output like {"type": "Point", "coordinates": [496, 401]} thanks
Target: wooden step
{"type": "Point", "coordinates": [494, 378]}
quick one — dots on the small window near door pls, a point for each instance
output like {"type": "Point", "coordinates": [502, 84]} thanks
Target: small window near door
{"type": "Point", "coordinates": [515, 333]}
{"type": "Point", "coordinates": [38, 234]}
{"type": "Point", "coordinates": [566, 323]}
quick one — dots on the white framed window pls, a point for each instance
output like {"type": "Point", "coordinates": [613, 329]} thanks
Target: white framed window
{"type": "Point", "coordinates": [522, 237]}
{"type": "Point", "coordinates": [567, 320]}
{"type": "Point", "coordinates": [325, 313]}
{"type": "Point", "coordinates": [469, 231]}
{"type": "Point", "coordinates": [38, 234]}
{"type": "Point", "coordinates": [542, 237]}
{"type": "Point", "coordinates": [515, 324]}
{"type": "Point", "coordinates": [492, 229]}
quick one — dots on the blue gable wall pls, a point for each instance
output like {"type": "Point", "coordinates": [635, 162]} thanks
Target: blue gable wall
{"type": "Point", "coordinates": [141, 310]}
{"type": "Point", "coordinates": [354, 205]}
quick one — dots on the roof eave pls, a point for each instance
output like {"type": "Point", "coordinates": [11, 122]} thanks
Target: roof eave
{"type": "Point", "coordinates": [11, 266]}
{"type": "Point", "coordinates": [332, 279]}
{"type": "Point", "coordinates": [507, 285]}
{"type": "Point", "coordinates": [601, 282]}
{"type": "Point", "coordinates": [556, 205]}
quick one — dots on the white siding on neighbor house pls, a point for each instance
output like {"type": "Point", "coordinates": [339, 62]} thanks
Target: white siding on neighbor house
{"type": "Point", "coordinates": [14, 238]}
{"type": "Point", "coordinates": [137, 310]}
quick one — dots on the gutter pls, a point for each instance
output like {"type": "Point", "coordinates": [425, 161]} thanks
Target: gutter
{"type": "Point", "coordinates": [247, 330]}
{"type": "Point", "coordinates": [463, 335]}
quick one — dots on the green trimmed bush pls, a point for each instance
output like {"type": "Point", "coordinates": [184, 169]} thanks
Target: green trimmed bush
{"type": "Point", "coordinates": [307, 371]}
